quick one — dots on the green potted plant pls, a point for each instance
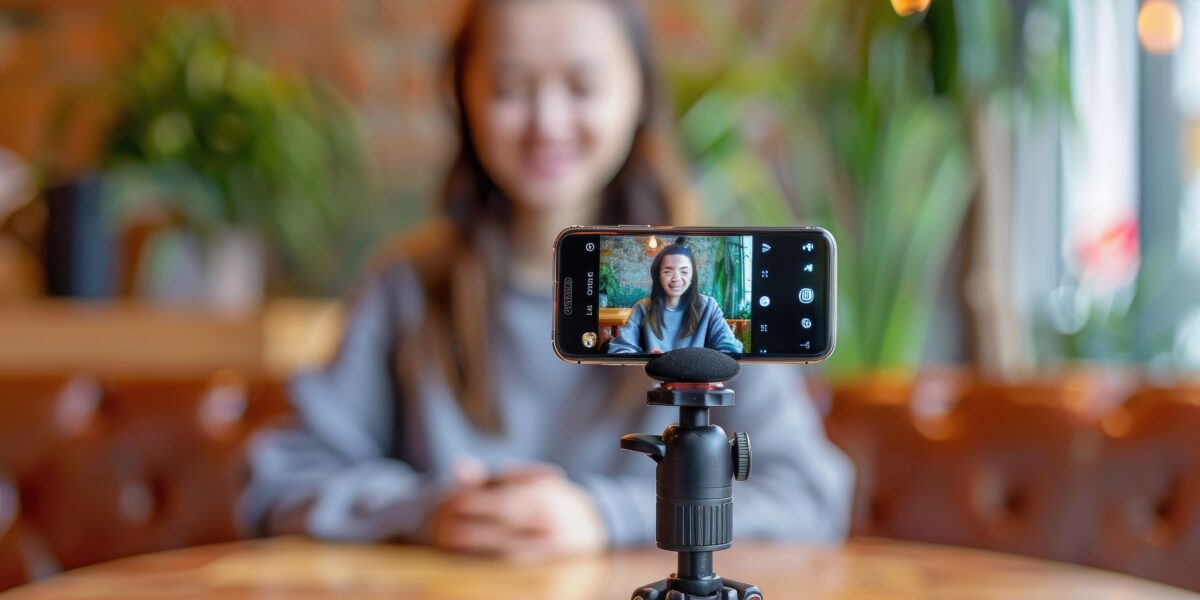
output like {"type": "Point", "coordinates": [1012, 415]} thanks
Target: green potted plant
{"type": "Point", "coordinates": [609, 284]}
{"type": "Point", "coordinates": [249, 164]}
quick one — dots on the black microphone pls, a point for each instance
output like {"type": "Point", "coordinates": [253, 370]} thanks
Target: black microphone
{"type": "Point", "coordinates": [693, 365]}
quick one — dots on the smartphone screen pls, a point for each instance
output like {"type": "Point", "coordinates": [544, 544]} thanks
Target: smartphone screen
{"type": "Point", "coordinates": [628, 293]}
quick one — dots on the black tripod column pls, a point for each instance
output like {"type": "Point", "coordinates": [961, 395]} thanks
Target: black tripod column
{"type": "Point", "coordinates": [697, 464]}
{"type": "Point", "coordinates": [695, 486]}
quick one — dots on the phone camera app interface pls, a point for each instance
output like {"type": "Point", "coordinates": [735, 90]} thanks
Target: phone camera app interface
{"type": "Point", "coordinates": [762, 295]}
{"type": "Point", "coordinates": [792, 280]}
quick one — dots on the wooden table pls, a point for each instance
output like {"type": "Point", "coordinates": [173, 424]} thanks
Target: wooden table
{"type": "Point", "coordinates": [297, 569]}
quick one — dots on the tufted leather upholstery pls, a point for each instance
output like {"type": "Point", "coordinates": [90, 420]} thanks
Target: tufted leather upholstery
{"type": "Point", "coordinates": [92, 470]}
{"type": "Point", "coordinates": [1031, 469]}
{"type": "Point", "coordinates": [1148, 489]}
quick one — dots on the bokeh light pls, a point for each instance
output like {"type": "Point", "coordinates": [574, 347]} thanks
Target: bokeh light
{"type": "Point", "coordinates": [1160, 26]}
{"type": "Point", "coordinates": [905, 8]}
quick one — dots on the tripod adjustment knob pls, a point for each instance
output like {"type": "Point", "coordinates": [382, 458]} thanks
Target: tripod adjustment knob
{"type": "Point", "coordinates": [740, 448]}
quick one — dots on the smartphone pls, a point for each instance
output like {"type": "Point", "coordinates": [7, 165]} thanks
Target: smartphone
{"type": "Point", "coordinates": [623, 294]}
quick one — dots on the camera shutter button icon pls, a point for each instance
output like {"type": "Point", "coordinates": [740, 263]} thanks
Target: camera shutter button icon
{"type": "Point", "coordinates": [807, 295]}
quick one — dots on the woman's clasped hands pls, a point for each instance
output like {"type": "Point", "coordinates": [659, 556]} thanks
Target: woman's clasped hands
{"type": "Point", "coordinates": [530, 513]}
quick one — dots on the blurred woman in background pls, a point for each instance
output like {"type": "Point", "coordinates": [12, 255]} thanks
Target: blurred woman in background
{"type": "Point", "coordinates": [446, 418]}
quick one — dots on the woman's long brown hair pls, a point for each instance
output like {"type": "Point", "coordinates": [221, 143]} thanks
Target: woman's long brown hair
{"type": "Point", "coordinates": [691, 302]}
{"type": "Point", "coordinates": [649, 188]}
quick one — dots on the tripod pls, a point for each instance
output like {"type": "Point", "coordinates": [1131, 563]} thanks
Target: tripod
{"type": "Point", "coordinates": [694, 481]}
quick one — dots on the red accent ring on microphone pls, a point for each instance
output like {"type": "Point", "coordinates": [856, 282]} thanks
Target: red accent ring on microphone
{"type": "Point", "coordinates": [694, 386]}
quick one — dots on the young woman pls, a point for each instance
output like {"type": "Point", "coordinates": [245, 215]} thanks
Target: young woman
{"type": "Point", "coordinates": [446, 418]}
{"type": "Point", "coordinates": [675, 315]}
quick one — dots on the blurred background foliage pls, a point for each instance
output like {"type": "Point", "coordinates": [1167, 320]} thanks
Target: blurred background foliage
{"type": "Point", "coordinates": [1151, 323]}
{"type": "Point", "coordinates": [224, 141]}
{"type": "Point", "coordinates": [883, 127]}
{"type": "Point", "coordinates": [840, 114]}
{"type": "Point", "coordinates": [849, 116]}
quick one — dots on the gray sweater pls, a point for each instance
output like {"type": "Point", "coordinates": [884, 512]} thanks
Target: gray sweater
{"type": "Point", "coordinates": [637, 337]}
{"type": "Point", "coordinates": [374, 450]}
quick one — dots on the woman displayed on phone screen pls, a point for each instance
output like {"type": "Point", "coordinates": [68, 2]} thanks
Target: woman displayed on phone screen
{"type": "Point", "coordinates": [676, 314]}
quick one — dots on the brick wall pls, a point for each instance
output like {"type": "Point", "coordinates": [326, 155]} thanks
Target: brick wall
{"type": "Point", "coordinates": [384, 56]}
{"type": "Point", "coordinates": [381, 55]}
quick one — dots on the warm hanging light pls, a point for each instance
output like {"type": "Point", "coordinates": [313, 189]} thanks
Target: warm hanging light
{"type": "Point", "coordinates": [1160, 26]}
{"type": "Point", "coordinates": [909, 7]}
{"type": "Point", "coordinates": [653, 242]}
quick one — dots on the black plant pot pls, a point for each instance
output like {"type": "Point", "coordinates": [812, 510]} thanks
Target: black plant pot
{"type": "Point", "coordinates": [81, 246]}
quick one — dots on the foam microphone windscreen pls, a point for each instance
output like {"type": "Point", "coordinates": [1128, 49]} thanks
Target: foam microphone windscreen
{"type": "Point", "coordinates": [698, 365]}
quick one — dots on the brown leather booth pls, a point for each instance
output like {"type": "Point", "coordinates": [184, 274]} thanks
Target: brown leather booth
{"type": "Point", "coordinates": [1147, 489]}
{"type": "Point", "coordinates": [96, 469]}
{"type": "Point", "coordinates": [1034, 470]}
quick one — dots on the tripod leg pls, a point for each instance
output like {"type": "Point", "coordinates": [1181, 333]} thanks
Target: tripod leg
{"type": "Point", "coordinates": [653, 591]}
{"type": "Point", "coordinates": [742, 591]}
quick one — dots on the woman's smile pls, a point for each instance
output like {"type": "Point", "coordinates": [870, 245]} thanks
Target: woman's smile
{"type": "Point", "coordinates": [675, 275]}
{"type": "Point", "coordinates": [550, 163]}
